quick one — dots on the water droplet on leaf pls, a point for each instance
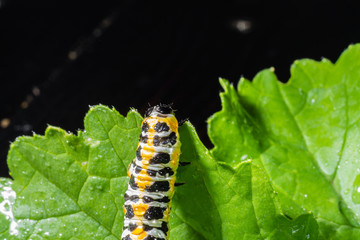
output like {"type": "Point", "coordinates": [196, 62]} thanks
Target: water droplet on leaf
{"type": "Point", "coordinates": [356, 190]}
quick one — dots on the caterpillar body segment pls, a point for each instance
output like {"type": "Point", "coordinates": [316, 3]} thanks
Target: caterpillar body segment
{"type": "Point", "coordinates": [152, 177]}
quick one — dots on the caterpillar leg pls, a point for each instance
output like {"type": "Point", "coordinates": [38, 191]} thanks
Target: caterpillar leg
{"type": "Point", "coordinates": [178, 184]}
{"type": "Point", "coordinates": [181, 122]}
{"type": "Point", "coordinates": [183, 163]}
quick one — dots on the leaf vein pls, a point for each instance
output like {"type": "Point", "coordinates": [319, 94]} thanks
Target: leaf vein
{"type": "Point", "coordinates": [345, 133]}
{"type": "Point", "coordinates": [107, 133]}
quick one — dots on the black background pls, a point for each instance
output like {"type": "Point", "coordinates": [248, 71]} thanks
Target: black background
{"type": "Point", "coordinates": [55, 63]}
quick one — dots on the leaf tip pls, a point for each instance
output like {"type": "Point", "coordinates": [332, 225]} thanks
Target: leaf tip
{"type": "Point", "coordinates": [52, 130]}
{"type": "Point", "coordinates": [226, 85]}
{"type": "Point", "coordinates": [92, 107]}
{"type": "Point", "coordinates": [349, 57]}
{"type": "Point", "coordinates": [133, 110]}
{"type": "Point", "coordinates": [97, 107]}
{"type": "Point", "coordinates": [223, 82]}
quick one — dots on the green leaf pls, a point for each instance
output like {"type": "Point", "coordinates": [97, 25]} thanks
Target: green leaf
{"type": "Point", "coordinates": [72, 187]}
{"type": "Point", "coordinates": [285, 166]}
{"type": "Point", "coordinates": [9, 226]}
{"type": "Point", "coordinates": [222, 202]}
{"type": "Point", "coordinates": [305, 134]}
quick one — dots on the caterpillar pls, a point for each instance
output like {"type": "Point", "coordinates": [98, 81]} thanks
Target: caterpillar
{"type": "Point", "coordinates": [152, 177]}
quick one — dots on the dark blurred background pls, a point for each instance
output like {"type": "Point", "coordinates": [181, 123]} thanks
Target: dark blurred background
{"type": "Point", "coordinates": [55, 63]}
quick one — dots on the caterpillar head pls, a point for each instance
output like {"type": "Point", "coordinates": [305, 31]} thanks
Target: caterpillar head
{"type": "Point", "coordinates": [159, 110]}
